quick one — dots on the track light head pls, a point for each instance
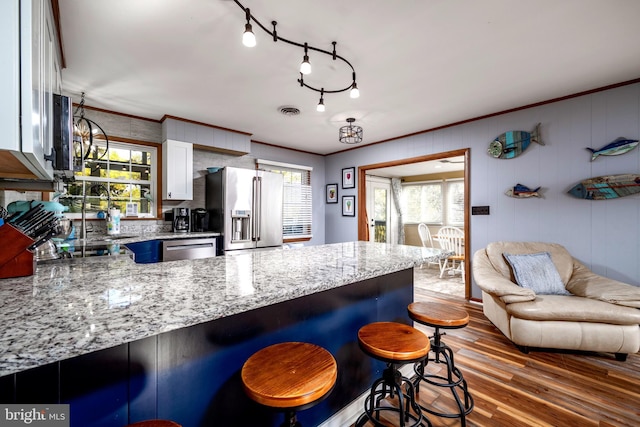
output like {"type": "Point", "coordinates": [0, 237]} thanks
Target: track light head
{"type": "Point", "coordinates": [248, 38]}
{"type": "Point", "coordinates": [305, 67]}
{"type": "Point", "coordinates": [320, 107]}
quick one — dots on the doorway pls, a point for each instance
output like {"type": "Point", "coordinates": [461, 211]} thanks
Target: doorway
{"type": "Point", "coordinates": [445, 157]}
{"type": "Point", "coordinates": [379, 202]}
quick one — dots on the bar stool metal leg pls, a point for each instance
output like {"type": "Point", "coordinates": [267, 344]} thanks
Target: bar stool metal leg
{"type": "Point", "coordinates": [391, 383]}
{"type": "Point", "coordinates": [395, 344]}
{"type": "Point", "coordinates": [454, 379]}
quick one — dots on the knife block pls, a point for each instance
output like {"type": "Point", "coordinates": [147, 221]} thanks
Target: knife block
{"type": "Point", "coordinates": [15, 259]}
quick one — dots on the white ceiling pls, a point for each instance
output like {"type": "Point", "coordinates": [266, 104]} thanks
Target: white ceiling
{"type": "Point", "coordinates": [450, 164]}
{"type": "Point", "coordinates": [420, 64]}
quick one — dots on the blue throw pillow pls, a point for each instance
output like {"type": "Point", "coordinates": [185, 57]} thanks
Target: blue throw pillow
{"type": "Point", "coordinates": [537, 272]}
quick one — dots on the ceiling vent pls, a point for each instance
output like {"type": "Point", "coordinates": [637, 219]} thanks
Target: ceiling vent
{"type": "Point", "coordinates": [288, 110]}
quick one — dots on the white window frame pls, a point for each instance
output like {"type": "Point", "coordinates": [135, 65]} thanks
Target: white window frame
{"type": "Point", "coordinates": [445, 189]}
{"type": "Point", "coordinates": [152, 181]}
{"type": "Point", "coordinates": [297, 200]}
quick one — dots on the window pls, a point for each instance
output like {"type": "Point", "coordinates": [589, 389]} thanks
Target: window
{"type": "Point", "coordinates": [434, 202]}
{"type": "Point", "coordinates": [296, 201]}
{"type": "Point", "coordinates": [422, 203]}
{"type": "Point", "coordinates": [455, 202]}
{"type": "Point", "coordinates": [124, 177]}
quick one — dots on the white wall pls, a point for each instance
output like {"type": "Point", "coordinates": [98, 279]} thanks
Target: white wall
{"type": "Point", "coordinates": [604, 235]}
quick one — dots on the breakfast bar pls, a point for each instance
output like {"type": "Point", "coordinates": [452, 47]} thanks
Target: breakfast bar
{"type": "Point", "coordinates": [121, 341]}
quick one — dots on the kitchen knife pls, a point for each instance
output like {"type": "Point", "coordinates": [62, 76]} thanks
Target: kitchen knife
{"type": "Point", "coordinates": [48, 236]}
{"type": "Point", "coordinates": [28, 214]}
{"type": "Point", "coordinates": [39, 221]}
{"type": "Point", "coordinates": [41, 231]}
{"type": "Point", "coordinates": [12, 217]}
{"type": "Point", "coordinates": [33, 220]}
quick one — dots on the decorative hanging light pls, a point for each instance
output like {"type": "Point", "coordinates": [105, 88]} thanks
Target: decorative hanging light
{"type": "Point", "coordinates": [350, 134]}
{"type": "Point", "coordinates": [249, 39]}
{"type": "Point", "coordinates": [84, 130]}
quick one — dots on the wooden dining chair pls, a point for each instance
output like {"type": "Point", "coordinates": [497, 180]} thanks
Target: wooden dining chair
{"type": "Point", "coordinates": [427, 242]}
{"type": "Point", "coordinates": [452, 239]}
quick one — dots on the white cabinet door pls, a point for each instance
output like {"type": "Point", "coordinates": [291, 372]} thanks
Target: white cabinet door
{"type": "Point", "coordinates": [29, 74]}
{"type": "Point", "coordinates": [177, 170]}
{"type": "Point", "coordinates": [10, 75]}
{"type": "Point", "coordinates": [36, 32]}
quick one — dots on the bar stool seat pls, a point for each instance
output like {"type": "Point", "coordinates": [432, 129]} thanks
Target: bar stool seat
{"type": "Point", "coordinates": [154, 423]}
{"type": "Point", "coordinates": [289, 376]}
{"type": "Point", "coordinates": [441, 316]}
{"type": "Point", "coordinates": [395, 344]}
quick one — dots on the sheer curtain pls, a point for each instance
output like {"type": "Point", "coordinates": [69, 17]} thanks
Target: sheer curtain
{"type": "Point", "coordinates": [396, 189]}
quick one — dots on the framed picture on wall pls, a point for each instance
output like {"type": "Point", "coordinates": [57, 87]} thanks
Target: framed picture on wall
{"type": "Point", "coordinates": [348, 205]}
{"type": "Point", "coordinates": [349, 177]}
{"type": "Point", "coordinates": [332, 193]}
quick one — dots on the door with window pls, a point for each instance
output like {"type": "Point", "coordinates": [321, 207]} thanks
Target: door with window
{"type": "Point", "coordinates": [378, 192]}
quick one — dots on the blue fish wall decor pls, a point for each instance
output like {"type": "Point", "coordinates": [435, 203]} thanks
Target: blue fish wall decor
{"type": "Point", "coordinates": [511, 144]}
{"type": "Point", "coordinates": [607, 187]}
{"type": "Point", "coordinates": [520, 191]}
{"type": "Point", "coordinates": [617, 147]}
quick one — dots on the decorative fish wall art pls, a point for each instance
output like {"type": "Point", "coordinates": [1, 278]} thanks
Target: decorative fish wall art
{"type": "Point", "coordinates": [520, 191]}
{"type": "Point", "coordinates": [512, 143]}
{"type": "Point", "coordinates": [607, 187]}
{"type": "Point", "coordinates": [617, 147]}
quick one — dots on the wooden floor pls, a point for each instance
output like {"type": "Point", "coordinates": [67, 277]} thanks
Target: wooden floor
{"type": "Point", "coordinates": [536, 389]}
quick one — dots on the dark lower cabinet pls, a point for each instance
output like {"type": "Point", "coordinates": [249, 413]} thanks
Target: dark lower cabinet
{"type": "Point", "coordinates": [192, 375]}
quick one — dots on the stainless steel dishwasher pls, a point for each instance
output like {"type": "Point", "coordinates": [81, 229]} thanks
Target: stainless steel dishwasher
{"type": "Point", "coordinates": [176, 249]}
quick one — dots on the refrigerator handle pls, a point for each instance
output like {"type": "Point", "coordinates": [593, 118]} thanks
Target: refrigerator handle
{"type": "Point", "coordinates": [257, 207]}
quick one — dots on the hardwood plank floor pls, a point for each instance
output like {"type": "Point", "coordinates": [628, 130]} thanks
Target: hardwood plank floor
{"type": "Point", "coordinates": [542, 388]}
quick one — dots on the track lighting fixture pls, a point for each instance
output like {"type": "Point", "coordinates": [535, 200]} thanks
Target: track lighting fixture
{"type": "Point", "coordinates": [320, 107]}
{"type": "Point", "coordinates": [354, 92]}
{"type": "Point", "coordinates": [249, 39]}
{"type": "Point", "coordinates": [305, 67]}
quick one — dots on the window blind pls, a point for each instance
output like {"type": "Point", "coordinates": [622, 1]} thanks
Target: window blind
{"type": "Point", "coordinates": [297, 213]}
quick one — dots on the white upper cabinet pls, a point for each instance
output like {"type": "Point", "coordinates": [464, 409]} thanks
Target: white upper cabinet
{"type": "Point", "coordinates": [177, 170]}
{"type": "Point", "coordinates": [29, 76]}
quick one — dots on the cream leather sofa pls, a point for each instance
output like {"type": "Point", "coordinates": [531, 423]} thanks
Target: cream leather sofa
{"type": "Point", "coordinates": [600, 314]}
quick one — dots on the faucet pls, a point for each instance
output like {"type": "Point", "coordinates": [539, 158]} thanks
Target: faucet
{"type": "Point", "coordinates": [99, 189]}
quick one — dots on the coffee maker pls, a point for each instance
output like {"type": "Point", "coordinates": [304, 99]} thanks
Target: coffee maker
{"type": "Point", "coordinates": [199, 220]}
{"type": "Point", "coordinates": [180, 220]}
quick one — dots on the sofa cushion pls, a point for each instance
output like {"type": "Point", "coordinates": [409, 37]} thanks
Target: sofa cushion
{"type": "Point", "coordinates": [574, 308]}
{"type": "Point", "coordinates": [537, 272]}
{"type": "Point", "coordinates": [559, 255]}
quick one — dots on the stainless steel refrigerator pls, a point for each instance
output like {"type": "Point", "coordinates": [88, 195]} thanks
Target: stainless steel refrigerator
{"type": "Point", "coordinates": [245, 207]}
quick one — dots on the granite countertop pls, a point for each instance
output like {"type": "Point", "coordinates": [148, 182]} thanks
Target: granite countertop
{"type": "Point", "coordinates": [133, 238]}
{"type": "Point", "coordinates": [77, 246]}
{"type": "Point", "coordinates": [82, 305]}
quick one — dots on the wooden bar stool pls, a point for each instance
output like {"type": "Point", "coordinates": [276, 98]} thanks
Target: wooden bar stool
{"type": "Point", "coordinates": [290, 377]}
{"type": "Point", "coordinates": [395, 344]}
{"type": "Point", "coordinates": [440, 316]}
{"type": "Point", "coordinates": [154, 423]}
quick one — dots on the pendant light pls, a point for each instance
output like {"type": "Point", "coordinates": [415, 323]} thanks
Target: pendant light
{"type": "Point", "coordinates": [350, 134]}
